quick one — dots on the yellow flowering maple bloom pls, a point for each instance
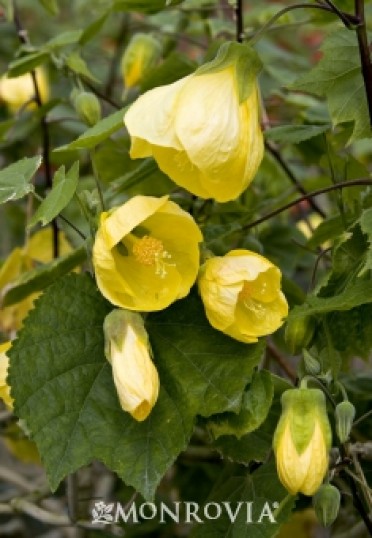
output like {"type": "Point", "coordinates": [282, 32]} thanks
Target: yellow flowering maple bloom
{"type": "Point", "coordinates": [199, 133]}
{"type": "Point", "coordinates": [4, 387]}
{"type": "Point", "coordinates": [302, 441]}
{"type": "Point", "coordinates": [15, 92]}
{"type": "Point", "coordinates": [127, 348]}
{"type": "Point", "coordinates": [242, 296]}
{"type": "Point", "coordinates": [38, 249]}
{"type": "Point", "coordinates": [146, 254]}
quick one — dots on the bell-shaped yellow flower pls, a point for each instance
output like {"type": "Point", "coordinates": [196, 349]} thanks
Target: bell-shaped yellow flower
{"type": "Point", "coordinates": [38, 249]}
{"type": "Point", "coordinates": [302, 441]}
{"type": "Point", "coordinates": [242, 296]}
{"type": "Point", "coordinates": [141, 54]}
{"type": "Point", "coordinates": [127, 348]}
{"type": "Point", "coordinates": [200, 131]}
{"type": "Point", "coordinates": [16, 92]}
{"type": "Point", "coordinates": [4, 387]}
{"type": "Point", "coordinates": [146, 254]}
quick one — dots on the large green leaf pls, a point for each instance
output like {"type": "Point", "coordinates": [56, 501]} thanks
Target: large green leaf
{"type": "Point", "coordinates": [15, 179]}
{"type": "Point", "coordinates": [64, 391]}
{"type": "Point", "coordinates": [358, 293]}
{"type": "Point", "coordinates": [261, 488]}
{"type": "Point", "coordinates": [294, 134]}
{"type": "Point", "coordinates": [96, 134]}
{"type": "Point", "coordinates": [64, 187]}
{"type": "Point", "coordinates": [256, 404]}
{"type": "Point", "coordinates": [338, 77]}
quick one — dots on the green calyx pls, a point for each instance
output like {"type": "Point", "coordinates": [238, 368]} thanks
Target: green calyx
{"type": "Point", "coordinates": [115, 329]}
{"type": "Point", "coordinates": [243, 59]}
{"type": "Point", "coordinates": [302, 409]}
{"type": "Point", "coordinates": [326, 504]}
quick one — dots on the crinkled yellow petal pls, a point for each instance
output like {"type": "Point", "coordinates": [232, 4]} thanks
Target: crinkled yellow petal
{"type": "Point", "coordinates": [15, 92]}
{"type": "Point", "coordinates": [40, 245]}
{"type": "Point", "coordinates": [153, 284]}
{"type": "Point", "coordinates": [177, 165]}
{"type": "Point", "coordinates": [237, 266]}
{"type": "Point", "coordinates": [316, 462]}
{"type": "Point", "coordinates": [128, 216]}
{"type": "Point", "coordinates": [12, 267]}
{"type": "Point", "coordinates": [256, 318]}
{"type": "Point", "coordinates": [151, 118]}
{"type": "Point", "coordinates": [291, 468]}
{"type": "Point", "coordinates": [219, 303]}
{"type": "Point", "coordinates": [135, 376]}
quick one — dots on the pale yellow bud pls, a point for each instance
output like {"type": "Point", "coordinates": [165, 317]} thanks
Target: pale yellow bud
{"type": "Point", "coordinates": [127, 348]}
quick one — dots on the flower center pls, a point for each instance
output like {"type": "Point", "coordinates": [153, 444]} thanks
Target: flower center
{"type": "Point", "coordinates": [245, 296]}
{"type": "Point", "coordinates": [150, 251]}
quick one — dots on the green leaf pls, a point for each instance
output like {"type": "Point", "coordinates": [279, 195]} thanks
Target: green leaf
{"type": "Point", "coordinates": [69, 401]}
{"type": "Point", "coordinates": [174, 67]}
{"type": "Point", "coordinates": [357, 293]}
{"type": "Point", "coordinates": [255, 490]}
{"type": "Point", "coordinates": [327, 230]}
{"type": "Point", "coordinates": [96, 134]}
{"type": "Point", "coordinates": [15, 179]}
{"type": "Point", "coordinates": [144, 6]}
{"type": "Point", "coordinates": [293, 134]}
{"type": "Point", "coordinates": [338, 77]}
{"type": "Point", "coordinates": [93, 29]}
{"type": "Point", "coordinates": [64, 39]}
{"type": "Point", "coordinates": [256, 404]}
{"type": "Point", "coordinates": [51, 6]}
{"type": "Point", "coordinates": [351, 332]}
{"type": "Point", "coordinates": [365, 223]}
{"type": "Point", "coordinates": [27, 63]}
{"type": "Point", "coordinates": [64, 187]}
{"type": "Point", "coordinates": [79, 66]}
{"type": "Point", "coordinates": [257, 445]}
{"type": "Point", "coordinates": [42, 276]}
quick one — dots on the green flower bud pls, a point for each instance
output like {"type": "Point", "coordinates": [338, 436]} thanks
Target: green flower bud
{"type": "Point", "coordinates": [141, 54]}
{"type": "Point", "coordinates": [299, 333]}
{"type": "Point", "coordinates": [344, 414]}
{"type": "Point", "coordinates": [302, 440]}
{"type": "Point", "coordinates": [312, 366]}
{"type": "Point", "coordinates": [326, 504]}
{"type": "Point", "coordinates": [88, 108]}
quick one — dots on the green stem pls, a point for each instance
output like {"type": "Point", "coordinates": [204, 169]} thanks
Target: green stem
{"type": "Point", "coordinates": [341, 185]}
{"type": "Point", "coordinates": [285, 10]}
{"type": "Point", "coordinates": [239, 14]}
{"type": "Point", "coordinates": [364, 52]}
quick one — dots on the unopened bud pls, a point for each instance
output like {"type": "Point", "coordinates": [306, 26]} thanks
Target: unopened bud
{"type": "Point", "coordinates": [88, 107]}
{"type": "Point", "coordinates": [326, 504]}
{"type": "Point", "coordinates": [312, 366]}
{"type": "Point", "coordinates": [141, 54]}
{"type": "Point", "coordinates": [128, 350]}
{"type": "Point", "coordinates": [344, 415]}
{"type": "Point", "coordinates": [298, 333]}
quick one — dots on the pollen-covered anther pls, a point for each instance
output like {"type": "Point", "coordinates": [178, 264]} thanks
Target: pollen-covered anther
{"type": "Point", "coordinates": [150, 251]}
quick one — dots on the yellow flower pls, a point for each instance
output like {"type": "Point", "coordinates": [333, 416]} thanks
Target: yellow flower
{"type": "Point", "coordinates": [4, 387]}
{"type": "Point", "coordinates": [146, 254]}
{"type": "Point", "coordinates": [302, 441]}
{"type": "Point", "coordinates": [39, 249]}
{"type": "Point", "coordinates": [241, 295]}
{"type": "Point", "coordinates": [127, 348]}
{"type": "Point", "coordinates": [141, 54]}
{"type": "Point", "coordinates": [200, 132]}
{"type": "Point", "coordinates": [15, 92]}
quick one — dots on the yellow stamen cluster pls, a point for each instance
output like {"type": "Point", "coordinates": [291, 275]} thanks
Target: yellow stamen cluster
{"type": "Point", "coordinates": [150, 251]}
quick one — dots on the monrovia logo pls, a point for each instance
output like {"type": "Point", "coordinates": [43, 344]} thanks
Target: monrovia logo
{"type": "Point", "coordinates": [184, 512]}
